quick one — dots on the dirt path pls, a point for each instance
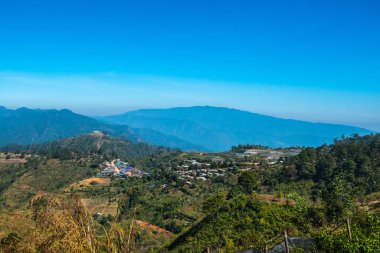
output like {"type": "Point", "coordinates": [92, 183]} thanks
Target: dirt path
{"type": "Point", "coordinates": [99, 144]}
{"type": "Point", "coordinates": [114, 167]}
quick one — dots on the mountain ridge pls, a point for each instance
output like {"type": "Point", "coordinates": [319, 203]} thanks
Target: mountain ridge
{"type": "Point", "coordinates": [198, 128]}
{"type": "Point", "coordinates": [219, 128]}
{"type": "Point", "coordinates": [34, 126]}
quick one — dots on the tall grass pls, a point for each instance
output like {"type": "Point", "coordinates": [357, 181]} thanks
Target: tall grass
{"type": "Point", "coordinates": [65, 225]}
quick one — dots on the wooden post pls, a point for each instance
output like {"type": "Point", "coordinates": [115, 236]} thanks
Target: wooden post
{"type": "Point", "coordinates": [349, 229]}
{"type": "Point", "coordinates": [266, 248]}
{"type": "Point", "coordinates": [208, 250]}
{"type": "Point", "coordinates": [286, 241]}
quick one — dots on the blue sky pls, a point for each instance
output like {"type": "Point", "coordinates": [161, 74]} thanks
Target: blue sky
{"type": "Point", "coordinates": [302, 59]}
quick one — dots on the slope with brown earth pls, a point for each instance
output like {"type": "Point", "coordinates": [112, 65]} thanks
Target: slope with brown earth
{"type": "Point", "coordinates": [158, 230]}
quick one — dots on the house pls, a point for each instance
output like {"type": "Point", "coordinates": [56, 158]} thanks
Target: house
{"type": "Point", "coordinates": [194, 162]}
{"type": "Point", "coordinates": [107, 172]}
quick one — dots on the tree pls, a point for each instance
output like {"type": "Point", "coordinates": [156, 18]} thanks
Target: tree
{"type": "Point", "coordinates": [249, 181]}
{"type": "Point", "coordinates": [339, 198]}
{"type": "Point", "coordinates": [214, 203]}
{"type": "Point", "coordinates": [306, 170]}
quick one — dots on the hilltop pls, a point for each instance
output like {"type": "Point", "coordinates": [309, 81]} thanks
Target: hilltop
{"type": "Point", "coordinates": [94, 143]}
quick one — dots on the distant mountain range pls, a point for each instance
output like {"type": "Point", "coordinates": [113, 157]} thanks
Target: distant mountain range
{"type": "Point", "coordinates": [217, 129]}
{"type": "Point", "coordinates": [201, 128]}
{"type": "Point", "coordinates": [25, 126]}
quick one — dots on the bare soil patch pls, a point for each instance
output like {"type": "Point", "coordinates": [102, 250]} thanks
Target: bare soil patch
{"type": "Point", "coordinates": [148, 226]}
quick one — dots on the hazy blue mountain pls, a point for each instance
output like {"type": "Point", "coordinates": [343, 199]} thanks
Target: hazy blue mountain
{"type": "Point", "coordinates": [217, 129]}
{"type": "Point", "coordinates": [193, 128]}
{"type": "Point", "coordinates": [159, 139]}
{"type": "Point", "coordinates": [26, 126]}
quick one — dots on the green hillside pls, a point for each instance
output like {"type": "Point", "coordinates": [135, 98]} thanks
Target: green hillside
{"type": "Point", "coordinates": [234, 203]}
{"type": "Point", "coordinates": [94, 143]}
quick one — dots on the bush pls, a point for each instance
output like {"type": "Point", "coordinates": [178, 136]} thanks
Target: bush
{"type": "Point", "coordinates": [365, 236]}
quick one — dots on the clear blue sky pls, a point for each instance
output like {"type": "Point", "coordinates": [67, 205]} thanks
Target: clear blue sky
{"type": "Point", "coordinates": [313, 60]}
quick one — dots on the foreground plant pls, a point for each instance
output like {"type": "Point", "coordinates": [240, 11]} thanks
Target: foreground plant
{"type": "Point", "coordinates": [65, 225]}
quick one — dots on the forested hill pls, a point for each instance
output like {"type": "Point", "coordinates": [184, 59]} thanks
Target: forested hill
{"type": "Point", "coordinates": [217, 129]}
{"type": "Point", "coordinates": [95, 143]}
{"type": "Point", "coordinates": [322, 188]}
{"type": "Point", "coordinates": [355, 159]}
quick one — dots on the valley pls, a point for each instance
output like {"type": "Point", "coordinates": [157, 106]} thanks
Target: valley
{"type": "Point", "coordinates": [180, 201]}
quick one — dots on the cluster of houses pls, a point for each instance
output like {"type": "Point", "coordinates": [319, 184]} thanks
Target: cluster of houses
{"type": "Point", "coordinates": [119, 168]}
{"type": "Point", "coordinates": [198, 170]}
{"type": "Point", "coordinates": [269, 155]}
{"type": "Point", "coordinates": [193, 170]}
{"type": "Point", "coordinates": [195, 163]}
{"type": "Point", "coordinates": [200, 174]}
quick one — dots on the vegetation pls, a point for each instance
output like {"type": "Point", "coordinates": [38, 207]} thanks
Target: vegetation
{"type": "Point", "coordinates": [86, 145]}
{"type": "Point", "coordinates": [339, 174]}
{"type": "Point", "coordinates": [366, 236]}
{"type": "Point", "coordinates": [66, 226]}
{"type": "Point", "coordinates": [311, 195]}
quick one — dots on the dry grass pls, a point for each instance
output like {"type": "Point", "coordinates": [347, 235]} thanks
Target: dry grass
{"type": "Point", "coordinates": [65, 225]}
{"type": "Point", "coordinates": [15, 221]}
{"type": "Point", "coordinates": [100, 205]}
{"type": "Point", "coordinates": [13, 160]}
{"type": "Point", "coordinates": [87, 183]}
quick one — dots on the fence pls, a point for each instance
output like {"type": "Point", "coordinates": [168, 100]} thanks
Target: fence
{"type": "Point", "coordinates": [285, 234]}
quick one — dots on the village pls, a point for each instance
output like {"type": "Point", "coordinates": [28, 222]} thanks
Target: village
{"type": "Point", "coordinates": [207, 166]}
{"type": "Point", "coordinates": [119, 168]}
{"type": "Point", "coordinates": [192, 169]}
{"type": "Point", "coordinates": [271, 156]}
